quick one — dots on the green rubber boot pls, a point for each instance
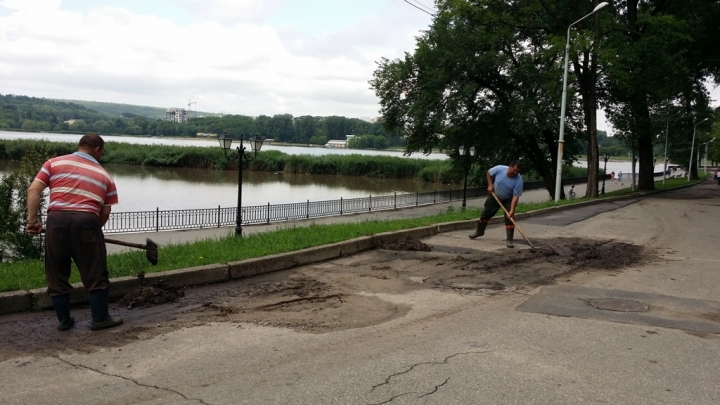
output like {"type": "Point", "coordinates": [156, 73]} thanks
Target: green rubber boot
{"type": "Point", "coordinates": [62, 310]}
{"type": "Point", "coordinates": [480, 231]}
{"type": "Point", "coordinates": [101, 319]}
{"type": "Point", "coordinates": [509, 241]}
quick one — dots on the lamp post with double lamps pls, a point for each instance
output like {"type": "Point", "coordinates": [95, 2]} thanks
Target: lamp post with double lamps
{"type": "Point", "coordinates": [467, 152]}
{"type": "Point", "coordinates": [561, 140]}
{"type": "Point", "coordinates": [240, 156]}
{"type": "Point", "coordinates": [692, 147]}
{"type": "Point", "coordinates": [606, 157]}
{"type": "Point", "coordinates": [706, 153]}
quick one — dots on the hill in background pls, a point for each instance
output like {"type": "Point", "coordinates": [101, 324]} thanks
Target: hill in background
{"type": "Point", "coordinates": [131, 110]}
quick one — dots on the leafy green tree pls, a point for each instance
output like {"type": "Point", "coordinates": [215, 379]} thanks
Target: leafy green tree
{"type": "Point", "coordinates": [659, 57]}
{"type": "Point", "coordinates": [15, 243]}
{"type": "Point", "coordinates": [318, 140]}
{"type": "Point", "coordinates": [483, 75]}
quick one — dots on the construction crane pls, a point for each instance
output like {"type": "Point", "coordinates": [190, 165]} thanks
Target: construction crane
{"type": "Point", "coordinates": [190, 103]}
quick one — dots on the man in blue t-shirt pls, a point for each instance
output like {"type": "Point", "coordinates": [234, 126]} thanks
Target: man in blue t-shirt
{"type": "Point", "coordinates": [507, 184]}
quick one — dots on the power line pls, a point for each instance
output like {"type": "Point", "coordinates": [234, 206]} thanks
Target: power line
{"type": "Point", "coordinates": [419, 7]}
{"type": "Point", "coordinates": [423, 5]}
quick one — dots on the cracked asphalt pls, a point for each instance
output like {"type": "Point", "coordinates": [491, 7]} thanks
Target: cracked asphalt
{"type": "Point", "coordinates": [537, 343]}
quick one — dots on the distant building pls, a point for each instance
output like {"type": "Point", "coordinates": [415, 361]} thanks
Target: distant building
{"type": "Point", "coordinates": [206, 135]}
{"type": "Point", "coordinates": [336, 144]}
{"type": "Point", "coordinates": [176, 115]}
{"type": "Point", "coordinates": [339, 144]}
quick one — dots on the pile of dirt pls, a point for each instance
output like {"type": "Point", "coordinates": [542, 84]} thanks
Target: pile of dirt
{"type": "Point", "coordinates": [412, 245]}
{"type": "Point", "coordinates": [605, 256]}
{"type": "Point", "coordinates": [147, 296]}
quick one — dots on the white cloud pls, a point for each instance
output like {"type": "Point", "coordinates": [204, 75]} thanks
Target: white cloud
{"type": "Point", "coordinates": [33, 6]}
{"type": "Point", "coordinates": [227, 58]}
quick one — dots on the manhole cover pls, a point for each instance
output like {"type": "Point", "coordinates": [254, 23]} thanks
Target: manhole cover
{"type": "Point", "coordinates": [618, 305]}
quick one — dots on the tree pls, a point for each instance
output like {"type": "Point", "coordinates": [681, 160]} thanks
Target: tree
{"type": "Point", "coordinates": [15, 243]}
{"type": "Point", "coordinates": [483, 75]}
{"type": "Point", "coordinates": [659, 55]}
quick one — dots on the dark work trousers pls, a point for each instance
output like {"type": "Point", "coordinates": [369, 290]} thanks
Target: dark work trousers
{"type": "Point", "coordinates": [491, 208]}
{"type": "Point", "coordinates": [77, 236]}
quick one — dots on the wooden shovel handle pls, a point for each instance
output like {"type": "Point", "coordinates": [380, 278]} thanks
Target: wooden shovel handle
{"type": "Point", "coordinates": [512, 220]}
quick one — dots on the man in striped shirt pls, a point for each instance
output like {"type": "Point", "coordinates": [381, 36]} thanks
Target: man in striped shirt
{"type": "Point", "coordinates": [81, 194]}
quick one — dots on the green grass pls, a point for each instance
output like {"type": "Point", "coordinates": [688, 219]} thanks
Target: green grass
{"type": "Point", "coordinates": [30, 274]}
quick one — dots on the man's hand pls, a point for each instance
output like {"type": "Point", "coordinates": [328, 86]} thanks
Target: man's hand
{"type": "Point", "coordinates": [490, 189]}
{"type": "Point", "coordinates": [34, 228]}
{"type": "Point", "coordinates": [511, 213]}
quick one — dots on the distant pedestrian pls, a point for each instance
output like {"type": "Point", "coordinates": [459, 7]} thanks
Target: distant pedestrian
{"type": "Point", "coordinates": [507, 184]}
{"type": "Point", "coordinates": [717, 177]}
{"type": "Point", "coordinates": [81, 194]}
{"type": "Point", "coordinates": [612, 176]}
{"type": "Point", "coordinates": [620, 175]}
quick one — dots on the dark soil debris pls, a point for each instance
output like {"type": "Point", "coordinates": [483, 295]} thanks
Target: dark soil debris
{"type": "Point", "coordinates": [412, 245]}
{"type": "Point", "coordinates": [147, 296]}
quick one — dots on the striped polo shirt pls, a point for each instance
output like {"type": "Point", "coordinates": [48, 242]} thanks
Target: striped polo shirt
{"type": "Point", "coordinates": [77, 183]}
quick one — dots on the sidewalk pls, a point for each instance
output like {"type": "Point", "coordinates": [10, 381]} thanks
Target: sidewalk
{"type": "Point", "coordinates": [165, 238]}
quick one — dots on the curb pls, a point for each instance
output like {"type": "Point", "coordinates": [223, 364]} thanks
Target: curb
{"type": "Point", "coordinates": [37, 299]}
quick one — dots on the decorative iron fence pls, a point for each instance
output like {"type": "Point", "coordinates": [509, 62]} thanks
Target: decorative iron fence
{"type": "Point", "coordinates": [165, 220]}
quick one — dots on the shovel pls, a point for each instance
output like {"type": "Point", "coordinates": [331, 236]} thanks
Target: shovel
{"type": "Point", "coordinates": [532, 248]}
{"type": "Point", "coordinates": [150, 248]}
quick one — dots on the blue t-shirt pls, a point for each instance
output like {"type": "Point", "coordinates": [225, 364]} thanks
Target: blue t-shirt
{"type": "Point", "coordinates": [506, 187]}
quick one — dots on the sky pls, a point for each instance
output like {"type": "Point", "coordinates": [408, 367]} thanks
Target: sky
{"type": "Point", "coordinates": [249, 57]}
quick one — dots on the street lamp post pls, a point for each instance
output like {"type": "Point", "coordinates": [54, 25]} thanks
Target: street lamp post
{"type": "Point", "coordinates": [692, 147]}
{"type": "Point", "coordinates": [240, 156]}
{"type": "Point", "coordinates": [706, 153]}
{"type": "Point", "coordinates": [606, 157]}
{"type": "Point", "coordinates": [667, 130]}
{"type": "Point", "coordinates": [561, 140]}
{"type": "Point", "coordinates": [462, 151]}
{"type": "Point", "coordinates": [654, 165]}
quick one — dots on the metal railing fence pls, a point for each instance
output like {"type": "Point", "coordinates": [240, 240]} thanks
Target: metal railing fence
{"type": "Point", "coordinates": [166, 220]}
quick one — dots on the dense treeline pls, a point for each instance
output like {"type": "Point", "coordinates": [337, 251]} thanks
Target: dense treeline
{"type": "Point", "coordinates": [43, 115]}
{"type": "Point", "coordinates": [491, 74]}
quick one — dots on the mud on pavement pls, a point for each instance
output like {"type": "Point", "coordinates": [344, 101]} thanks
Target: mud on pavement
{"type": "Point", "coordinates": [324, 297]}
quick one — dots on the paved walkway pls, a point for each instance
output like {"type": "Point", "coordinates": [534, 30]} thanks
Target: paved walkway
{"type": "Point", "coordinates": [165, 238]}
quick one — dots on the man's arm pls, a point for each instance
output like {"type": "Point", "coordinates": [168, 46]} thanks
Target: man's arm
{"type": "Point", "coordinates": [34, 195]}
{"type": "Point", "coordinates": [490, 182]}
{"type": "Point", "coordinates": [104, 214]}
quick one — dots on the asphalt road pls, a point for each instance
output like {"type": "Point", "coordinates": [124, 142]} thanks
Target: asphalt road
{"type": "Point", "coordinates": [646, 333]}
